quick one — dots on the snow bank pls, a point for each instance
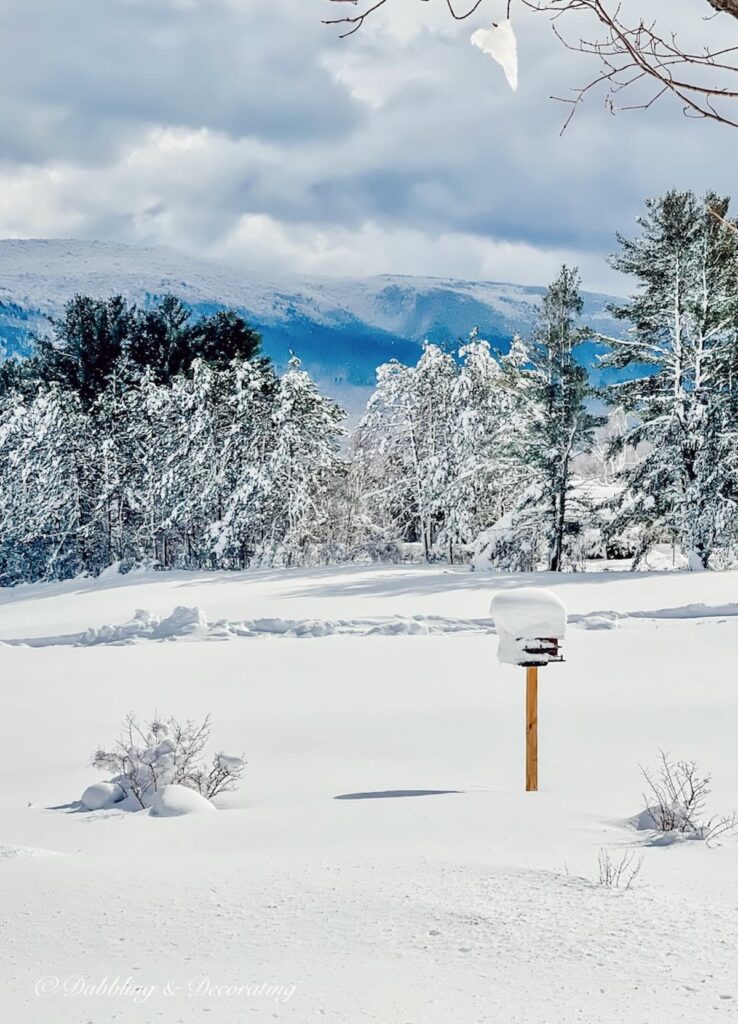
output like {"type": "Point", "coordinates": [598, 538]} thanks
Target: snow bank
{"type": "Point", "coordinates": [190, 623]}
{"type": "Point", "coordinates": [524, 615]}
{"type": "Point", "coordinates": [181, 622]}
{"type": "Point", "coordinates": [394, 625]}
{"type": "Point", "coordinates": [172, 801]}
{"type": "Point", "coordinates": [101, 795]}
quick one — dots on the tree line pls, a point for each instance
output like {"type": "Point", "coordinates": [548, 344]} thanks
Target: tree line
{"type": "Point", "coordinates": [147, 436]}
{"type": "Point", "coordinates": [144, 436]}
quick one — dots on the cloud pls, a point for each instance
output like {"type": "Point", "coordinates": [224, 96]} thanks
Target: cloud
{"type": "Point", "coordinates": [244, 129]}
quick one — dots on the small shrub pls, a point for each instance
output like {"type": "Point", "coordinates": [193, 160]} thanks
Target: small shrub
{"type": "Point", "coordinates": [618, 873]}
{"type": "Point", "coordinates": [676, 799]}
{"type": "Point", "coordinates": [147, 756]}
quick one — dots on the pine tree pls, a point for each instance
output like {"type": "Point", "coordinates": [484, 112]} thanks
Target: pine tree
{"type": "Point", "coordinates": [221, 338]}
{"type": "Point", "coordinates": [682, 399]}
{"type": "Point", "coordinates": [161, 339]}
{"type": "Point", "coordinates": [89, 340]}
{"type": "Point", "coordinates": [559, 425]}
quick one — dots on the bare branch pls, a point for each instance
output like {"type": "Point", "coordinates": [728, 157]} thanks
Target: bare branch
{"type": "Point", "coordinates": [703, 80]}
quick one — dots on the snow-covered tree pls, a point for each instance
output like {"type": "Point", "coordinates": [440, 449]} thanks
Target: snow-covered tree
{"type": "Point", "coordinates": [682, 349]}
{"type": "Point", "coordinates": [486, 420]}
{"type": "Point", "coordinates": [47, 526]}
{"type": "Point", "coordinates": [243, 522]}
{"type": "Point", "coordinates": [220, 464]}
{"type": "Point", "coordinates": [302, 459]}
{"type": "Point", "coordinates": [558, 425]}
{"type": "Point", "coordinates": [406, 437]}
{"type": "Point", "coordinates": [435, 446]}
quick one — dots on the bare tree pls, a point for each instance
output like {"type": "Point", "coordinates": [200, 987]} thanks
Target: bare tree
{"type": "Point", "coordinates": [618, 873]}
{"type": "Point", "coordinates": [147, 756]}
{"type": "Point", "coordinates": [676, 798]}
{"type": "Point", "coordinates": [640, 59]}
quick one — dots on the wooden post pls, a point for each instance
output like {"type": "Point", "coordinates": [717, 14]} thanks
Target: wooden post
{"type": "Point", "coordinates": [531, 729]}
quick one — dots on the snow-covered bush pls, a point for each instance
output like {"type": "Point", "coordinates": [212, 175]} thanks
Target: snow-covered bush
{"type": "Point", "coordinates": [172, 801]}
{"type": "Point", "coordinates": [149, 756]}
{"type": "Point", "coordinates": [676, 799]}
{"type": "Point", "coordinates": [100, 795]}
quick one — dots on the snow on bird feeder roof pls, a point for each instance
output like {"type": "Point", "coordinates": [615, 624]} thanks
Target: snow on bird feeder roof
{"type": "Point", "coordinates": [530, 622]}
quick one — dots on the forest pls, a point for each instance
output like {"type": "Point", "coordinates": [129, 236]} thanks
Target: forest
{"type": "Point", "coordinates": [147, 437]}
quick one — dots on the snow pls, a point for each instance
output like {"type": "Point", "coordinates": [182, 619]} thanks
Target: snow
{"type": "Point", "coordinates": [101, 795]}
{"type": "Point", "coordinates": [434, 889]}
{"type": "Point", "coordinates": [230, 762]}
{"type": "Point", "coordinates": [44, 273]}
{"type": "Point", "coordinates": [172, 801]}
{"type": "Point", "coordinates": [522, 618]}
{"type": "Point", "coordinates": [191, 622]}
{"type": "Point", "coordinates": [500, 44]}
{"type": "Point", "coordinates": [40, 275]}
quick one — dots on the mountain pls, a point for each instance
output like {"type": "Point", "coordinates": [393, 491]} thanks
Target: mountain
{"type": "Point", "coordinates": [341, 328]}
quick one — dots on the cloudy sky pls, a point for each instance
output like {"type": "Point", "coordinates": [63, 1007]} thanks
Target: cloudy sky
{"type": "Point", "coordinates": [247, 131]}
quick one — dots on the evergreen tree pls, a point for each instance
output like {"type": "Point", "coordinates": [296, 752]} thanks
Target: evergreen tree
{"type": "Point", "coordinates": [140, 437]}
{"type": "Point", "coordinates": [223, 337]}
{"type": "Point", "coordinates": [555, 392]}
{"type": "Point", "coordinates": [681, 348]}
{"type": "Point", "coordinates": [161, 339]}
{"type": "Point", "coordinates": [89, 342]}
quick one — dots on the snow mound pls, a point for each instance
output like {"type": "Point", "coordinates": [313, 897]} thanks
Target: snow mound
{"type": "Point", "coordinates": [391, 625]}
{"type": "Point", "coordinates": [230, 762]}
{"type": "Point", "coordinates": [190, 623]}
{"type": "Point", "coordinates": [101, 795]}
{"type": "Point", "coordinates": [645, 822]}
{"type": "Point", "coordinates": [186, 623]}
{"type": "Point", "coordinates": [182, 622]}
{"type": "Point", "coordinates": [145, 625]}
{"type": "Point", "coordinates": [525, 614]}
{"type": "Point", "coordinates": [172, 801]}
{"type": "Point", "coordinates": [597, 620]}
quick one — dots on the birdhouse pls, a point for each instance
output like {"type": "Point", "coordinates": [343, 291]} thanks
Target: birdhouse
{"type": "Point", "coordinates": [530, 624]}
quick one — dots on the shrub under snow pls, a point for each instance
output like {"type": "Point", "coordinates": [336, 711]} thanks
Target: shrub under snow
{"type": "Point", "coordinates": [676, 802]}
{"type": "Point", "coordinates": [100, 795]}
{"type": "Point", "coordinates": [171, 801]}
{"type": "Point", "coordinates": [150, 757]}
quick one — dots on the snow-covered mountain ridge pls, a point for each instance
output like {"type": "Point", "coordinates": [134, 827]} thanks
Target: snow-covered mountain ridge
{"type": "Point", "coordinates": [341, 328]}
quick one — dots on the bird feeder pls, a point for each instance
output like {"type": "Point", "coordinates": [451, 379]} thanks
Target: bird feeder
{"type": "Point", "coordinates": [530, 624]}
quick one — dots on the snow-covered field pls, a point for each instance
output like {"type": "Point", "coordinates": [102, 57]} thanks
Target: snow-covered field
{"type": "Point", "coordinates": [381, 862]}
